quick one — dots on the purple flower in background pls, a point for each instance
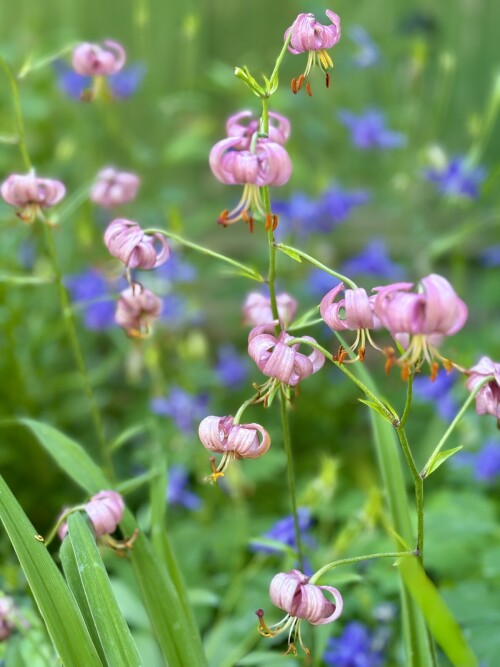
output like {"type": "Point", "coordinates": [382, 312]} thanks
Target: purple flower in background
{"type": "Point", "coordinates": [369, 130]}
{"type": "Point", "coordinates": [183, 408]}
{"type": "Point", "coordinates": [300, 214]}
{"type": "Point", "coordinates": [177, 491]}
{"type": "Point", "coordinates": [368, 53]}
{"type": "Point", "coordinates": [458, 178]}
{"type": "Point", "coordinates": [122, 85]}
{"type": "Point", "coordinates": [321, 282]}
{"type": "Point", "coordinates": [174, 310]}
{"type": "Point", "coordinates": [438, 392]}
{"type": "Point", "coordinates": [176, 270]}
{"type": "Point", "coordinates": [284, 531]}
{"type": "Point", "coordinates": [336, 204]}
{"type": "Point", "coordinates": [94, 292]}
{"type": "Point", "coordinates": [231, 368]}
{"type": "Point", "coordinates": [355, 647]}
{"type": "Point", "coordinates": [373, 261]}
{"type": "Point", "coordinates": [485, 462]}
{"type": "Point", "coordinates": [490, 257]}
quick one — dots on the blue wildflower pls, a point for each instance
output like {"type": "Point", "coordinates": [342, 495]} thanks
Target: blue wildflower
{"type": "Point", "coordinates": [368, 53]}
{"type": "Point", "coordinates": [177, 492]}
{"type": "Point", "coordinates": [458, 178]}
{"type": "Point", "coordinates": [439, 392]}
{"type": "Point", "coordinates": [490, 257]}
{"type": "Point", "coordinates": [176, 270]}
{"type": "Point", "coordinates": [284, 531]}
{"type": "Point", "coordinates": [485, 463]}
{"type": "Point", "coordinates": [369, 130]}
{"type": "Point", "coordinates": [335, 206]}
{"type": "Point", "coordinates": [373, 261]}
{"type": "Point", "coordinates": [93, 291]}
{"type": "Point", "coordinates": [298, 214]}
{"type": "Point", "coordinates": [320, 282]}
{"type": "Point", "coordinates": [231, 368]}
{"type": "Point", "coordinates": [356, 647]}
{"type": "Point", "coordinates": [123, 84]}
{"type": "Point", "coordinates": [185, 409]}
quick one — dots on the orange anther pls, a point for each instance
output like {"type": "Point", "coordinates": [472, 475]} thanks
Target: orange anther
{"type": "Point", "coordinates": [300, 81]}
{"type": "Point", "coordinates": [293, 85]}
{"type": "Point", "coordinates": [308, 89]}
{"type": "Point", "coordinates": [327, 76]}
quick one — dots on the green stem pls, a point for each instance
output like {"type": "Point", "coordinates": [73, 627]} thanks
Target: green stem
{"type": "Point", "coordinates": [69, 320]}
{"type": "Point", "coordinates": [287, 443]}
{"type": "Point", "coordinates": [314, 262]}
{"type": "Point", "coordinates": [409, 397]}
{"type": "Point", "coordinates": [251, 273]}
{"type": "Point", "coordinates": [243, 407]}
{"type": "Point", "coordinates": [419, 489]}
{"type": "Point", "coordinates": [17, 114]}
{"type": "Point", "coordinates": [453, 424]}
{"type": "Point", "coordinates": [273, 80]}
{"type": "Point", "coordinates": [357, 559]}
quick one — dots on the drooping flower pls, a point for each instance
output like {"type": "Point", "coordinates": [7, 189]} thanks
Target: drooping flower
{"type": "Point", "coordinates": [183, 408]}
{"type": "Point", "coordinates": [137, 309]}
{"type": "Point", "coordinates": [265, 164]}
{"type": "Point", "coordinates": [488, 397]}
{"type": "Point", "coordinates": [126, 241]}
{"type": "Point", "coordinates": [257, 309]}
{"type": "Point", "coordinates": [94, 293]}
{"type": "Point", "coordinates": [373, 260]}
{"type": "Point", "coordinates": [113, 188]}
{"type": "Point", "coordinates": [177, 491]}
{"type": "Point", "coordinates": [352, 313]}
{"type": "Point", "coordinates": [231, 368]}
{"type": "Point", "coordinates": [105, 511]}
{"type": "Point", "coordinates": [284, 531]}
{"type": "Point", "coordinates": [458, 178]}
{"type": "Point", "coordinates": [292, 592]}
{"type": "Point", "coordinates": [369, 130]}
{"type": "Point", "coordinates": [309, 35]}
{"type": "Point", "coordinates": [278, 360]}
{"type": "Point", "coordinates": [279, 128]}
{"type": "Point", "coordinates": [31, 194]}
{"type": "Point", "coordinates": [94, 60]}
{"type": "Point", "coordinates": [368, 53]}
{"type": "Point", "coordinates": [221, 435]}
{"type": "Point", "coordinates": [357, 646]}
{"type": "Point", "coordinates": [419, 320]}
{"type": "Point", "coordinates": [438, 392]}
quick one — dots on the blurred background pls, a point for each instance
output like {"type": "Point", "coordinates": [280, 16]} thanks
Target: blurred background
{"type": "Point", "coordinates": [395, 176]}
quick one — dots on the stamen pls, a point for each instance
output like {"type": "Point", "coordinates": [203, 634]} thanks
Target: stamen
{"type": "Point", "coordinates": [223, 217]}
{"type": "Point", "coordinates": [294, 86]}
{"type": "Point", "coordinates": [434, 370]}
{"type": "Point", "coordinates": [300, 81]}
{"type": "Point", "coordinates": [361, 353]}
{"type": "Point", "coordinates": [308, 89]}
{"type": "Point", "coordinates": [405, 372]}
{"type": "Point", "coordinates": [327, 79]}
{"type": "Point", "coordinates": [263, 628]}
{"type": "Point", "coordinates": [447, 365]}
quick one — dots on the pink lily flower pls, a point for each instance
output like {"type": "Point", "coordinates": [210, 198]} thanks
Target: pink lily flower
{"type": "Point", "coordinates": [267, 164]}
{"type": "Point", "coordinates": [311, 36]}
{"type": "Point", "coordinates": [126, 241]}
{"type": "Point", "coordinates": [257, 309]}
{"type": "Point", "coordinates": [278, 360]}
{"type": "Point", "coordinates": [292, 592]}
{"type": "Point", "coordinates": [234, 441]}
{"type": "Point", "coordinates": [105, 511]}
{"type": "Point", "coordinates": [279, 128]}
{"type": "Point", "coordinates": [93, 60]}
{"type": "Point", "coordinates": [31, 194]}
{"type": "Point", "coordinates": [113, 188]}
{"type": "Point", "coordinates": [488, 397]}
{"type": "Point", "coordinates": [136, 310]}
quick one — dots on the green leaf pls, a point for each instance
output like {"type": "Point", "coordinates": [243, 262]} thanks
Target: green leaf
{"type": "Point", "coordinates": [114, 634]}
{"type": "Point", "coordinates": [57, 606]}
{"type": "Point", "coordinates": [69, 456]}
{"type": "Point", "coordinates": [378, 409]}
{"type": "Point", "coordinates": [434, 463]}
{"type": "Point", "coordinates": [290, 252]}
{"type": "Point", "coordinates": [438, 617]}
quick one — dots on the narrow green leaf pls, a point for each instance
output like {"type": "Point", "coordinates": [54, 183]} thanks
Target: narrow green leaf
{"type": "Point", "coordinates": [26, 280]}
{"type": "Point", "coordinates": [434, 462]}
{"type": "Point", "coordinates": [57, 606]}
{"type": "Point", "coordinates": [114, 634]}
{"type": "Point", "coordinates": [68, 455]}
{"type": "Point", "coordinates": [291, 253]}
{"type": "Point", "coordinates": [438, 617]}
{"type": "Point", "coordinates": [70, 569]}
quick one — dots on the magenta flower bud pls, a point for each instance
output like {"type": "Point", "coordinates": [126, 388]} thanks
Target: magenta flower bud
{"type": "Point", "coordinates": [309, 35]}
{"type": "Point", "coordinates": [126, 241]}
{"type": "Point", "coordinates": [488, 397]}
{"type": "Point", "coordinates": [93, 60]}
{"type": "Point", "coordinates": [291, 592]}
{"type": "Point", "coordinates": [429, 314]}
{"type": "Point", "coordinates": [136, 310]}
{"type": "Point", "coordinates": [257, 309]}
{"type": "Point", "coordinates": [31, 194]}
{"type": "Point", "coordinates": [113, 188]}
{"type": "Point", "coordinates": [278, 360]}
{"type": "Point", "coordinates": [267, 164]}
{"type": "Point", "coordinates": [105, 511]}
{"type": "Point", "coordinates": [279, 128]}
